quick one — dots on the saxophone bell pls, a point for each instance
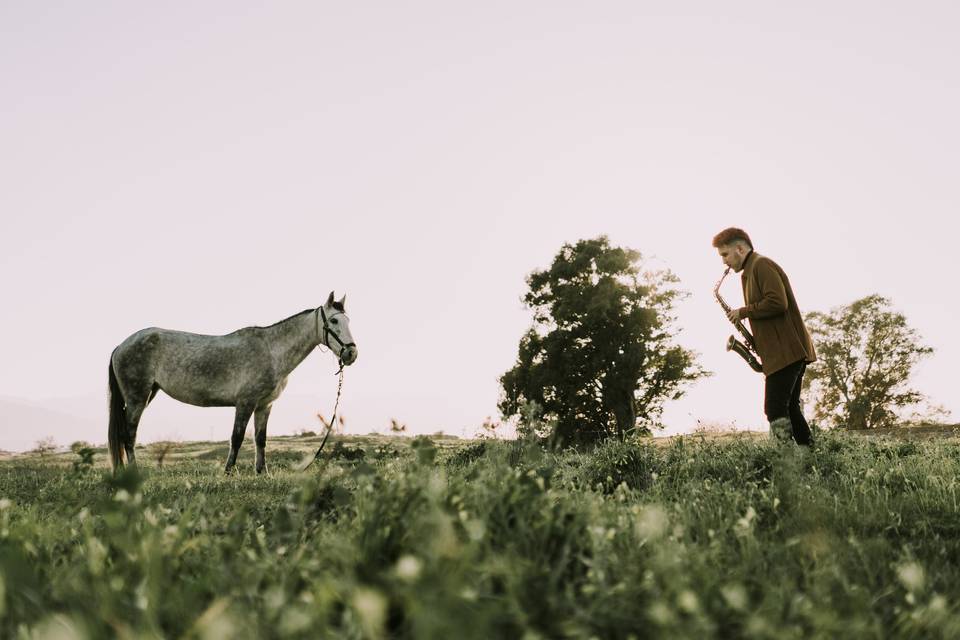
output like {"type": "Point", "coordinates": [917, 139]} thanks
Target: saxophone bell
{"type": "Point", "coordinates": [744, 352]}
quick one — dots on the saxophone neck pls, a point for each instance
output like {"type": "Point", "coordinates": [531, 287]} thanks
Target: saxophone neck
{"type": "Point", "coordinates": [716, 292]}
{"type": "Point", "coordinates": [716, 289]}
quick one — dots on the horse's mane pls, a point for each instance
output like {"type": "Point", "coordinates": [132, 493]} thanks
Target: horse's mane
{"type": "Point", "coordinates": [304, 312]}
{"type": "Point", "coordinates": [336, 305]}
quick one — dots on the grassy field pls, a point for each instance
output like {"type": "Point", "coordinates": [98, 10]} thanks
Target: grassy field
{"type": "Point", "coordinates": [690, 537]}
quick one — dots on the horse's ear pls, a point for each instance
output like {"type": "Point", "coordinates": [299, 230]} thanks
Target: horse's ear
{"type": "Point", "coordinates": [330, 300]}
{"type": "Point", "coordinates": [343, 302]}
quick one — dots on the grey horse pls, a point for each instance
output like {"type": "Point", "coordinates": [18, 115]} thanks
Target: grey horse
{"type": "Point", "coordinates": [246, 369]}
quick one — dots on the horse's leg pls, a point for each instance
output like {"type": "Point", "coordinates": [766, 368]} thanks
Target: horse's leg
{"type": "Point", "coordinates": [260, 417]}
{"type": "Point", "coordinates": [240, 421]}
{"type": "Point", "coordinates": [134, 412]}
{"type": "Point", "coordinates": [141, 399]}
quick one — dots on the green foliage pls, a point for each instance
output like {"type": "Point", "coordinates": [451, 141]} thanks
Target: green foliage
{"type": "Point", "coordinates": [468, 454]}
{"type": "Point", "coordinates": [85, 453]}
{"type": "Point", "coordinates": [616, 464]}
{"type": "Point", "coordinates": [425, 449]}
{"type": "Point", "coordinates": [865, 356]}
{"type": "Point", "coordinates": [600, 358]}
{"type": "Point", "coordinates": [341, 451]}
{"type": "Point", "coordinates": [859, 538]}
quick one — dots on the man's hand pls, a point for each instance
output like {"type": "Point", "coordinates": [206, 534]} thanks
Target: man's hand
{"type": "Point", "coordinates": [734, 315]}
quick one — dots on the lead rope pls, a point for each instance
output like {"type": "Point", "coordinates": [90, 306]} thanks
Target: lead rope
{"type": "Point", "coordinates": [333, 421]}
{"type": "Point", "coordinates": [336, 405]}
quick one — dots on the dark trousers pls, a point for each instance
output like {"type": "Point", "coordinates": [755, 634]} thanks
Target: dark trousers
{"type": "Point", "coordinates": [781, 399]}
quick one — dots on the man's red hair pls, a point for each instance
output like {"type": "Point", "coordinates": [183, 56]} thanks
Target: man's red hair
{"type": "Point", "coordinates": [731, 235]}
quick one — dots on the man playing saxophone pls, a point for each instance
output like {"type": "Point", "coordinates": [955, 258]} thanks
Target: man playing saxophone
{"type": "Point", "coordinates": [779, 335]}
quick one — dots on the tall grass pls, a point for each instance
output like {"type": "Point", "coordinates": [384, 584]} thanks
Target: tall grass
{"type": "Point", "coordinates": [700, 538]}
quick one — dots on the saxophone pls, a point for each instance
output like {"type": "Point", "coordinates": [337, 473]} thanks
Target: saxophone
{"type": "Point", "coordinates": [746, 350]}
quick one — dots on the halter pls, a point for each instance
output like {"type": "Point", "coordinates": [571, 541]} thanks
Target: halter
{"type": "Point", "coordinates": [327, 332]}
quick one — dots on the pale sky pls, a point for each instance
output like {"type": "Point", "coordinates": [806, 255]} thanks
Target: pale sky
{"type": "Point", "coordinates": [209, 166]}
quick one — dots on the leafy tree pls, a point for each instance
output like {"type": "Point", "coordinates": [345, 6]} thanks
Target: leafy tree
{"type": "Point", "coordinates": [599, 359]}
{"type": "Point", "coordinates": [865, 355]}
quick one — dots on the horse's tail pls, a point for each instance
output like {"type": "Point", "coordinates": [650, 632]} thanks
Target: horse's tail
{"type": "Point", "coordinates": [117, 431]}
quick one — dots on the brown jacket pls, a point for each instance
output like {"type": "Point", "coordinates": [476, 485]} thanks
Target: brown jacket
{"type": "Point", "coordinates": [775, 321]}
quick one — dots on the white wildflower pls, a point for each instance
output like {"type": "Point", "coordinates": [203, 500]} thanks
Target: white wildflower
{"type": "Point", "coordinates": [408, 568]}
{"type": "Point", "coordinates": [687, 601]}
{"type": "Point", "coordinates": [745, 524]}
{"type": "Point", "coordinates": [371, 608]}
{"type": "Point", "coordinates": [911, 576]}
{"type": "Point", "coordinates": [735, 596]}
{"type": "Point", "coordinates": [652, 522]}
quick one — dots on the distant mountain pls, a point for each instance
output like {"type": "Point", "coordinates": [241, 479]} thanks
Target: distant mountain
{"type": "Point", "coordinates": [66, 420]}
{"type": "Point", "coordinates": [23, 423]}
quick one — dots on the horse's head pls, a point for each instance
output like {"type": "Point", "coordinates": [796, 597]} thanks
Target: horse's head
{"type": "Point", "coordinates": [334, 324]}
